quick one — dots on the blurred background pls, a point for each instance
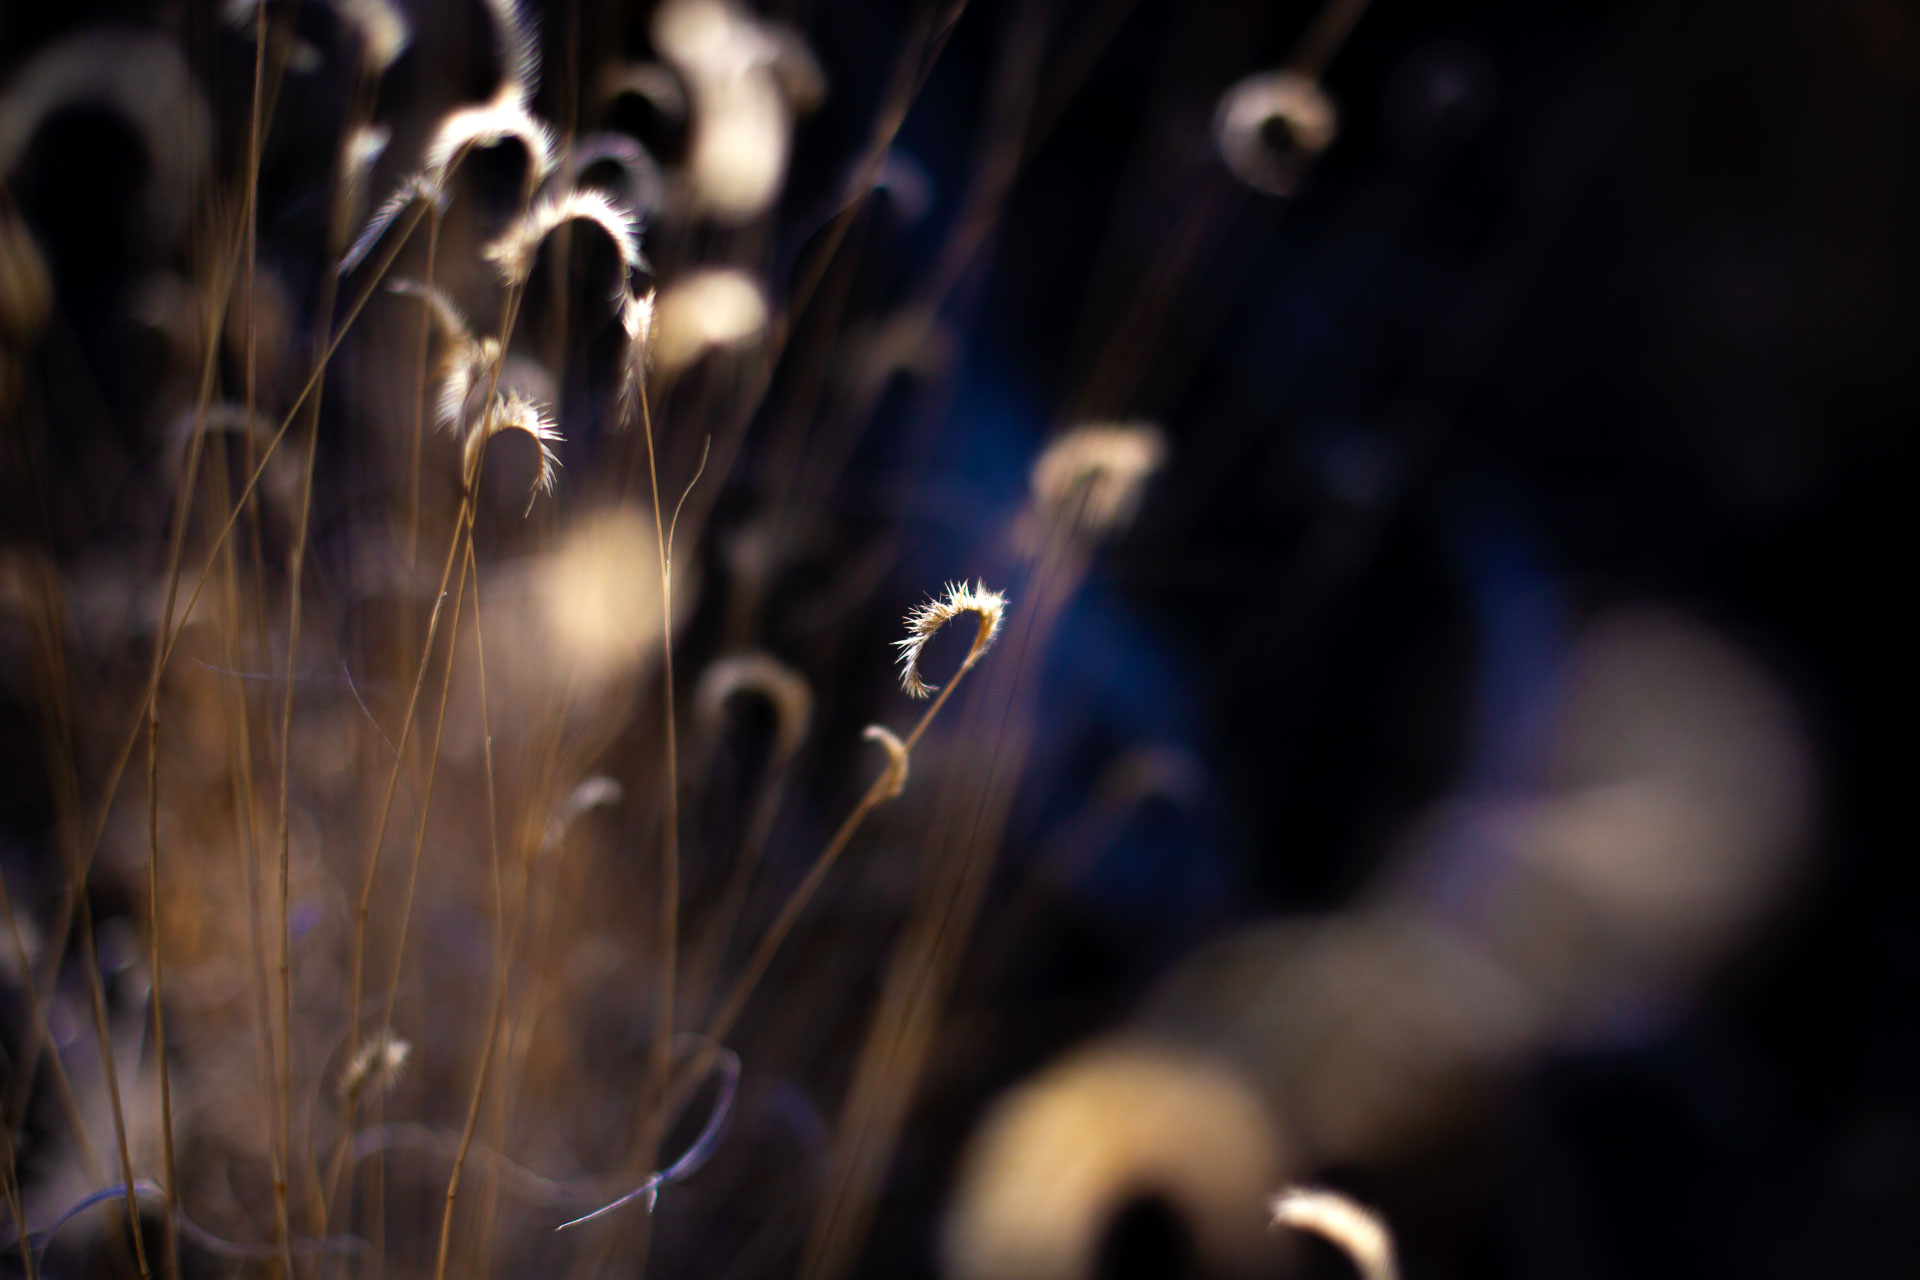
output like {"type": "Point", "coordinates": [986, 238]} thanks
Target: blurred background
{"type": "Point", "coordinates": [1449, 739]}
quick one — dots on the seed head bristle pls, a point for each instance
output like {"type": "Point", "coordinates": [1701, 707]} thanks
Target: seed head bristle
{"type": "Point", "coordinates": [519, 51]}
{"type": "Point", "coordinates": [1094, 474]}
{"type": "Point", "coordinates": [785, 690]}
{"type": "Point", "coordinates": [1355, 1230]}
{"type": "Point", "coordinates": [896, 757]}
{"type": "Point", "coordinates": [413, 188]}
{"type": "Point", "coordinates": [925, 622]}
{"type": "Point", "coordinates": [464, 367]}
{"type": "Point", "coordinates": [513, 251]}
{"type": "Point", "coordinates": [514, 412]}
{"type": "Point", "coordinates": [361, 151]}
{"type": "Point", "coordinates": [640, 177]}
{"type": "Point", "coordinates": [597, 791]}
{"type": "Point", "coordinates": [488, 124]}
{"type": "Point", "coordinates": [448, 319]}
{"type": "Point", "coordinates": [162, 101]}
{"type": "Point", "coordinates": [1244, 129]}
{"type": "Point", "coordinates": [636, 318]}
{"type": "Point", "coordinates": [466, 360]}
{"type": "Point", "coordinates": [375, 1067]}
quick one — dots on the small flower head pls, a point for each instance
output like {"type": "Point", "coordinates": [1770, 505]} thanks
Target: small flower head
{"type": "Point", "coordinates": [416, 188]}
{"type": "Point", "coordinates": [488, 124]}
{"type": "Point", "coordinates": [783, 688]}
{"type": "Point", "coordinates": [518, 50]}
{"type": "Point", "coordinates": [896, 757]}
{"type": "Point", "coordinates": [514, 412]}
{"type": "Point", "coordinates": [925, 622]}
{"type": "Point", "coordinates": [513, 252]}
{"type": "Point", "coordinates": [720, 308]}
{"type": "Point", "coordinates": [1353, 1229]}
{"type": "Point", "coordinates": [1093, 476]}
{"type": "Point", "coordinates": [375, 1067]}
{"type": "Point", "coordinates": [636, 319]}
{"type": "Point", "coordinates": [384, 33]}
{"type": "Point", "coordinates": [595, 792]}
{"type": "Point", "coordinates": [1271, 126]}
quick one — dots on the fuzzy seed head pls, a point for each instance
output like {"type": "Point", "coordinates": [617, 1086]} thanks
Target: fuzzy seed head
{"type": "Point", "coordinates": [636, 318]}
{"type": "Point", "coordinates": [595, 792]}
{"type": "Point", "coordinates": [514, 412]}
{"type": "Point", "coordinates": [1094, 474]}
{"type": "Point", "coordinates": [384, 33]}
{"type": "Point", "coordinates": [745, 76]}
{"type": "Point", "coordinates": [784, 689]}
{"type": "Point", "coordinates": [487, 125]}
{"type": "Point", "coordinates": [925, 622]}
{"type": "Point", "coordinates": [448, 321]}
{"type": "Point", "coordinates": [519, 52]}
{"type": "Point", "coordinates": [1250, 113]}
{"type": "Point", "coordinates": [896, 757]}
{"type": "Point", "coordinates": [716, 309]}
{"type": "Point", "coordinates": [414, 188]}
{"type": "Point", "coordinates": [514, 251]}
{"type": "Point", "coordinates": [463, 368]}
{"type": "Point", "coordinates": [1355, 1230]}
{"type": "Point", "coordinates": [375, 1067]}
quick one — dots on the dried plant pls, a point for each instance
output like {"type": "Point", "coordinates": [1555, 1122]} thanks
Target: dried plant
{"type": "Point", "coordinates": [897, 758]}
{"type": "Point", "coordinates": [746, 78]}
{"type": "Point", "coordinates": [1270, 127]}
{"type": "Point", "coordinates": [926, 621]}
{"type": "Point", "coordinates": [438, 947]}
{"type": "Point", "coordinates": [1093, 476]}
{"type": "Point", "coordinates": [785, 690]}
{"type": "Point", "coordinates": [375, 1067]}
{"type": "Point", "coordinates": [513, 252]}
{"type": "Point", "coordinates": [1356, 1231]}
{"type": "Point", "coordinates": [516, 413]}
{"type": "Point", "coordinates": [706, 311]}
{"type": "Point", "coordinates": [1057, 1158]}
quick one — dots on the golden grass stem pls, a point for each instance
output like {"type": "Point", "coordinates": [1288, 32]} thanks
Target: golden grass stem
{"type": "Point", "coordinates": [669, 939]}
{"type": "Point", "coordinates": [97, 998]}
{"type": "Point", "coordinates": [498, 1001]}
{"type": "Point", "coordinates": [281, 1154]}
{"type": "Point", "coordinates": [155, 961]}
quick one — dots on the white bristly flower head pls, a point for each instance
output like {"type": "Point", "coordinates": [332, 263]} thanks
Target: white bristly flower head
{"type": "Point", "coordinates": [1355, 1230]}
{"type": "Point", "coordinates": [925, 622]}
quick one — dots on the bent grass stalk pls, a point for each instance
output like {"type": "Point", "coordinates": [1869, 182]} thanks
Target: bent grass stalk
{"type": "Point", "coordinates": [990, 606]}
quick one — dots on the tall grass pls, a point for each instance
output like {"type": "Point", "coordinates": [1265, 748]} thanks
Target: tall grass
{"type": "Point", "coordinates": [459, 927]}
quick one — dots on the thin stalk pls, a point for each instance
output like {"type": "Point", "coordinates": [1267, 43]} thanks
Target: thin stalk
{"type": "Point", "coordinates": [669, 941]}
{"type": "Point", "coordinates": [722, 1021]}
{"type": "Point", "coordinates": [499, 1001]}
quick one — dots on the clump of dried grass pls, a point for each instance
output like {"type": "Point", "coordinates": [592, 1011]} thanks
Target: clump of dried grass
{"type": "Point", "coordinates": [458, 834]}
